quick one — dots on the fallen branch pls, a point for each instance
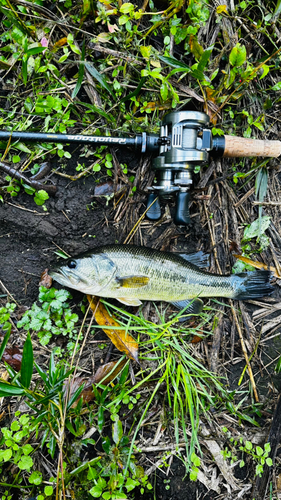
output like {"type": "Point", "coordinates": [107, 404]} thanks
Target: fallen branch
{"type": "Point", "coordinates": [50, 189]}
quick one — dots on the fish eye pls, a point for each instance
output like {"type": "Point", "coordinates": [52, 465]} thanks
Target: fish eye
{"type": "Point", "coordinates": [72, 264]}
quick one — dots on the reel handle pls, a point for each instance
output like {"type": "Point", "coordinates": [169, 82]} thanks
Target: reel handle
{"type": "Point", "coordinates": [235, 147]}
{"type": "Point", "coordinates": [182, 217]}
{"type": "Point", "coordinates": [154, 212]}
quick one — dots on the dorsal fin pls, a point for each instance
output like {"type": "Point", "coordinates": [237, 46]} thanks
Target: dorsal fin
{"type": "Point", "coordinates": [199, 259]}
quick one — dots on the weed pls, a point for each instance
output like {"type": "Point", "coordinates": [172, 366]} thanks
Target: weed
{"type": "Point", "coordinates": [5, 317]}
{"type": "Point", "coordinates": [259, 455]}
{"type": "Point", "coordinates": [14, 186]}
{"type": "Point", "coordinates": [195, 463]}
{"type": "Point", "coordinates": [53, 414]}
{"type": "Point", "coordinates": [14, 445]}
{"type": "Point", "coordinates": [190, 388]}
{"type": "Point", "coordinates": [254, 241]}
{"type": "Point", "coordinates": [107, 475]}
{"type": "Point", "coordinates": [52, 317]}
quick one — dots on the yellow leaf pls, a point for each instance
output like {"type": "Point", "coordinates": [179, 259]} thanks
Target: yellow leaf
{"type": "Point", "coordinates": [120, 338]}
{"type": "Point", "coordinates": [155, 64]}
{"type": "Point", "coordinates": [103, 37]}
{"type": "Point", "coordinates": [221, 9]}
{"type": "Point", "coordinates": [195, 47]}
{"type": "Point", "coordinates": [258, 265]}
{"type": "Point", "coordinates": [145, 51]}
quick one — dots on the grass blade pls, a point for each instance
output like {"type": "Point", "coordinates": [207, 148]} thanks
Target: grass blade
{"type": "Point", "coordinates": [95, 74]}
{"type": "Point", "coordinates": [81, 72]}
{"type": "Point", "coordinates": [27, 362]}
{"type": "Point", "coordinates": [101, 112]}
{"type": "Point", "coordinates": [7, 389]}
{"type": "Point", "coordinates": [5, 342]}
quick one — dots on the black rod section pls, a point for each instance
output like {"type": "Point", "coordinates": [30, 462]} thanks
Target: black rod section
{"type": "Point", "coordinates": [218, 146]}
{"type": "Point", "coordinates": [141, 142]}
{"type": "Point", "coordinates": [43, 137]}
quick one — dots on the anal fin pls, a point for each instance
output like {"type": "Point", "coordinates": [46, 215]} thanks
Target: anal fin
{"type": "Point", "coordinates": [130, 302]}
{"type": "Point", "coordinates": [194, 306]}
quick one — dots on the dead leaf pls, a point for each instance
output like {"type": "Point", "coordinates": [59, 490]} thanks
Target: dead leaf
{"type": "Point", "coordinates": [190, 92]}
{"type": "Point", "coordinates": [13, 357]}
{"type": "Point", "coordinates": [157, 105]}
{"type": "Point", "coordinates": [120, 338]}
{"type": "Point", "coordinates": [45, 279]}
{"type": "Point", "coordinates": [234, 247]}
{"type": "Point", "coordinates": [60, 43]}
{"type": "Point", "coordinates": [210, 107]}
{"type": "Point", "coordinates": [108, 189]}
{"type": "Point", "coordinates": [87, 394]}
{"type": "Point", "coordinates": [196, 339]}
{"type": "Point", "coordinates": [258, 265]}
{"type": "Point", "coordinates": [105, 373]}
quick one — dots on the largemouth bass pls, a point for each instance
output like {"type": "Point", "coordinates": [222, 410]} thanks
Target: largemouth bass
{"type": "Point", "coordinates": [131, 274]}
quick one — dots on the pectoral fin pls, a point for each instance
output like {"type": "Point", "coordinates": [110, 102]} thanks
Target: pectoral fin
{"type": "Point", "coordinates": [130, 302]}
{"type": "Point", "coordinates": [132, 281]}
{"type": "Point", "coordinates": [193, 306]}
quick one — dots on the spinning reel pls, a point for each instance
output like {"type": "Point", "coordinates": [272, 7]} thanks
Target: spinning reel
{"type": "Point", "coordinates": [184, 143]}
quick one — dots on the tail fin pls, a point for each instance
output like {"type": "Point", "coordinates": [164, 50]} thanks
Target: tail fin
{"type": "Point", "coordinates": [253, 285]}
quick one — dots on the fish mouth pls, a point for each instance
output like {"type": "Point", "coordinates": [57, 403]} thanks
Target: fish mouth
{"type": "Point", "coordinates": [70, 280]}
{"type": "Point", "coordinates": [58, 273]}
{"type": "Point", "coordinates": [63, 277]}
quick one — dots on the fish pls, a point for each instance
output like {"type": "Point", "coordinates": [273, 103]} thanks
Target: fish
{"type": "Point", "coordinates": [132, 274]}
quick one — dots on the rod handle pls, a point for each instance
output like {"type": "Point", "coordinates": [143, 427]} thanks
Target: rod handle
{"type": "Point", "coordinates": [241, 147]}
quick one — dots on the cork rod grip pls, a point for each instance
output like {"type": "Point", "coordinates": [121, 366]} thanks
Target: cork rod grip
{"type": "Point", "coordinates": [239, 147]}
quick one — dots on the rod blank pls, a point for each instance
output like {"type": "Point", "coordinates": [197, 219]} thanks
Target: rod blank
{"type": "Point", "coordinates": [41, 137]}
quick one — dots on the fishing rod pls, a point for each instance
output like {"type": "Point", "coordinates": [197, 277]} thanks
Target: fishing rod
{"type": "Point", "coordinates": [184, 142]}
